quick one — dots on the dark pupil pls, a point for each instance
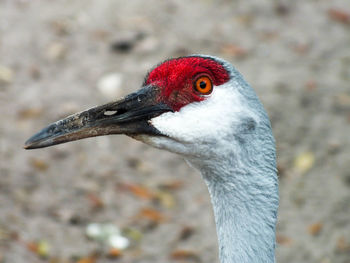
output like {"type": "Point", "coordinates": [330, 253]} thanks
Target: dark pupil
{"type": "Point", "coordinates": [202, 85]}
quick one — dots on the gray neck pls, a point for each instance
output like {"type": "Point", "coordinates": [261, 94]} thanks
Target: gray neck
{"type": "Point", "coordinates": [244, 194]}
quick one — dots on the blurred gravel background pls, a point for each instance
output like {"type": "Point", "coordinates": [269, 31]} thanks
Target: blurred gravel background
{"type": "Point", "coordinates": [59, 57]}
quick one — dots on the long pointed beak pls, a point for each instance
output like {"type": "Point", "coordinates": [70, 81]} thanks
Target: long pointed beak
{"type": "Point", "coordinates": [129, 116]}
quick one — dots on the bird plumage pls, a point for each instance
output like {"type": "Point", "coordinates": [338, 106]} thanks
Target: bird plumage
{"type": "Point", "coordinates": [228, 138]}
{"type": "Point", "coordinates": [225, 134]}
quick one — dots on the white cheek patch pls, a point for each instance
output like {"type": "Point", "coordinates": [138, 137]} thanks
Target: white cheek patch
{"type": "Point", "coordinates": [198, 121]}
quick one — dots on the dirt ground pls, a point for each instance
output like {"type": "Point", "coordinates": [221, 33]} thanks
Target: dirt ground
{"type": "Point", "coordinates": [53, 55]}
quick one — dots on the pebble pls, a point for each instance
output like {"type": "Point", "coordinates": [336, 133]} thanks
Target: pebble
{"type": "Point", "coordinates": [101, 232]}
{"type": "Point", "coordinates": [56, 51]}
{"type": "Point", "coordinates": [117, 241]}
{"type": "Point", "coordinates": [43, 249]}
{"type": "Point", "coordinates": [304, 162]}
{"type": "Point", "coordinates": [93, 230]}
{"type": "Point", "coordinates": [110, 85]}
{"type": "Point", "coordinates": [126, 41]}
{"type": "Point", "coordinates": [108, 234]}
{"type": "Point", "coordinates": [6, 75]}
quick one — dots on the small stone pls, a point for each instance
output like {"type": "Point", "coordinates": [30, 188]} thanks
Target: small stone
{"type": "Point", "coordinates": [43, 249]}
{"type": "Point", "coordinates": [6, 75]}
{"type": "Point", "coordinates": [126, 41]}
{"type": "Point", "coordinates": [109, 85]}
{"type": "Point", "coordinates": [304, 162]}
{"type": "Point", "coordinates": [93, 230]}
{"type": "Point", "coordinates": [102, 232]}
{"type": "Point", "coordinates": [56, 51]}
{"type": "Point", "coordinates": [119, 242]}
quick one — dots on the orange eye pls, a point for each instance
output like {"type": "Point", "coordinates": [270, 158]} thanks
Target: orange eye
{"type": "Point", "coordinates": [203, 85]}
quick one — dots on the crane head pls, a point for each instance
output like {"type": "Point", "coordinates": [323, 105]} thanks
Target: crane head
{"type": "Point", "coordinates": [188, 105]}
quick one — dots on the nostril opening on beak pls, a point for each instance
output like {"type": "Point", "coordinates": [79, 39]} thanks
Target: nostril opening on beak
{"type": "Point", "coordinates": [110, 112]}
{"type": "Point", "coordinates": [114, 112]}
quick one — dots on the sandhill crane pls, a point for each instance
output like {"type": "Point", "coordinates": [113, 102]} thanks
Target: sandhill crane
{"type": "Point", "coordinates": [201, 108]}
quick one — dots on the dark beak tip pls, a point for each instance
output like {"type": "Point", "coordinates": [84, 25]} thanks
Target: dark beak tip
{"type": "Point", "coordinates": [29, 145]}
{"type": "Point", "coordinates": [38, 140]}
{"type": "Point", "coordinates": [35, 145]}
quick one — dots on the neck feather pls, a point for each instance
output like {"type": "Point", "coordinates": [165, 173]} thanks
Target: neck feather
{"type": "Point", "coordinates": [244, 194]}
